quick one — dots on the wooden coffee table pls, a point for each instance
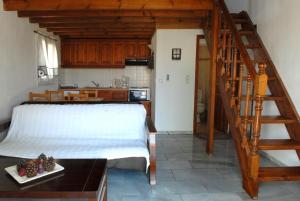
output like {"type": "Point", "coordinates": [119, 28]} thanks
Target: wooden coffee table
{"type": "Point", "coordinates": [81, 178]}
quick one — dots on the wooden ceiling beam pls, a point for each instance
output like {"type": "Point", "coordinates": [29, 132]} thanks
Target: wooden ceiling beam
{"type": "Point", "coordinates": [58, 30]}
{"type": "Point", "coordinates": [14, 5]}
{"type": "Point", "coordinates": [110, 19]}
{"type": "Point", "coordinates": [179, 25]}
{"type": "Point", "coordinates": [139, 33]}
{"type": "Point", "coordinates": [114, 13]}
{"type": "Point", "coordinates": [106, 37]}
{"type": "Point", "coordinates": [98, 25]}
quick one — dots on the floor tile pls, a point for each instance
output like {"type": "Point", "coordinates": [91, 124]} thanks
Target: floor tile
{"type": "Point", "coordinates": [211, 197]}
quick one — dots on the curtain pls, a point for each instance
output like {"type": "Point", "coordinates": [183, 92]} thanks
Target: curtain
{"type": "Point", "coordinates": [47, 55]}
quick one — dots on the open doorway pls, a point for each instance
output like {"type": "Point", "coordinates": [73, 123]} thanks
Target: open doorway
{"type": "Point", "coordinates": [201, 87]}
{"type": "Point", "coordinates": [201, 101]}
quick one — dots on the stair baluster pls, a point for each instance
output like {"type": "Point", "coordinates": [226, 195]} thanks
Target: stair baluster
{"type": "Point", "coordinates": [260, 88]}
{"type": "Point", "coordinates": [233, 78]}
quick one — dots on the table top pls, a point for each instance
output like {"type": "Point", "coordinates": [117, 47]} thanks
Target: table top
{"type": "Point", "coordinates": [80, 178]}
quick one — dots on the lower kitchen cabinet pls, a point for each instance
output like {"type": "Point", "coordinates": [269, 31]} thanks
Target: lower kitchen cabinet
{"type": "Point", "coordinates": [113, 95]}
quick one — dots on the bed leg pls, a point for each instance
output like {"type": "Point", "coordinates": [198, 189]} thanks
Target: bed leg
{"type": "Point", "coordinates": [152, 159]}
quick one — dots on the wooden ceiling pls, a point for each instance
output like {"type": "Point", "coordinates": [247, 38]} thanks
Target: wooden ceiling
{"type": "Point", "coordinates": [111, 18]}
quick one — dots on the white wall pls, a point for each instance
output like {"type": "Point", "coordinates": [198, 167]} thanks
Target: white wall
{"type": "Point", "coordinates": [174, 99]}
{"type": "Point", "coordinates": [279, 27]}
{"type": "Point", "coordinates": [236, 6]}
{"type": "Point", "coordinates": [17, 60]}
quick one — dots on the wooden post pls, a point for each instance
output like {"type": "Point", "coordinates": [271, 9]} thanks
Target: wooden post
{"type": "Point", "coordinates": [240, 90]}
{"type": "Point", "coordinates": [233, 78]}
{"type": "Point", "coordinates": [213, 77]}
{"type": "Point", "coordinates": [228, 62]}
{"type": "Point", "coordinates": [260, 87]}
{"type": "Point", "coordinates": [244, 125]}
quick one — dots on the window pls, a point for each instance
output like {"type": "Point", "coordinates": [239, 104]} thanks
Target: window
{"type": "Point", "coordinates": [47, 64]}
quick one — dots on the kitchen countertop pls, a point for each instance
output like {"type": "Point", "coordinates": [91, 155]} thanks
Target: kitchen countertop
{"type": "Point", "coordinates": [94, 88]}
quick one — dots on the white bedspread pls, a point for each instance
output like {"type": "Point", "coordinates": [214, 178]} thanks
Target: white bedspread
{"type": "Point", "coordinates": [109, 131]}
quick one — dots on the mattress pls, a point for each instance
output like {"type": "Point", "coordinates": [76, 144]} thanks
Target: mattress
{"type": "Point", "coordinates": [109, 131]}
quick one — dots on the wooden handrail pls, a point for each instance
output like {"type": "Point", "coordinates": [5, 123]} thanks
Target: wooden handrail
{"type": "Point", "coordinates": [238, 40]}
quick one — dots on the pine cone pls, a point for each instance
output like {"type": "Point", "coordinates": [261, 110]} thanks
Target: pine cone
{"type": "Point", "coordinates": [49, 164]}
{"type": "Point", "coordinates": [42, 157]}
{"type": "Point", "coordinates": [21, 164]}
{"type": "Point", "coordinates": [31, 168]}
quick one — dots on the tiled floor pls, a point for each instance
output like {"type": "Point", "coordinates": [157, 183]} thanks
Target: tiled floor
{"type": "Point", "coordinates": [187, 173]}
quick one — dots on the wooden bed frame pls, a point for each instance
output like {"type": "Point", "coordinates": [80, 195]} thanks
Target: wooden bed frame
{"type": "Point", "coordinates": [4, 125]}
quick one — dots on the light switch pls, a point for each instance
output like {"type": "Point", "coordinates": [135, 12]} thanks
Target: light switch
{"type": "Point", "coordinates": [187, 79]}
{"type": "Point", "coordinates": [168, 77]}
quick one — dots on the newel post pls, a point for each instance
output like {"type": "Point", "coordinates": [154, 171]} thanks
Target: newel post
{"type": "Point", "coordinates": [260, 87]}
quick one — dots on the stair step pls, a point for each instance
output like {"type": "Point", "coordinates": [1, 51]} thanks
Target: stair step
{"type": "Point", "coordinates": [247, 32]}
{"type": "Point", "coordinates": [240, 20]}
{"type": "Point", "coordinates": [278, 144]}
{"type": "Point", "coordinates": [266, 98]}
{"type": "Point", "coordinates": [252, 46]}
{"type": "Point", "coordinates": [279, 174]}
{"type": "Point", "coordinates": [272, 120]}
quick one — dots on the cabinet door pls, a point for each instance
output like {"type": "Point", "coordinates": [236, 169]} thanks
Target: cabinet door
{"type": "Point", "coordinates": [105, 94]}
{"type": "Point", "coordinates": [67, 53]}
{"type": "Point", "coordinates": [120, 95]}
{"type": "Point", "coordinates": [80, 56]}
{"type": "Point", "coordinates": [92, 53]}
{"type": "Point", "coordinates": [131, 49]}
{"type": "Point", "coordinates": [106, 53]}
{"type": "Point", "coordinates": [119, 53]}
{"type": "Point", "coordinates": [143, 51]}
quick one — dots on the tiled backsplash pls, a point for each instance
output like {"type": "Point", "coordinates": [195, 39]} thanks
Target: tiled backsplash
{"type": "Point", "coordinates": [139, 76]}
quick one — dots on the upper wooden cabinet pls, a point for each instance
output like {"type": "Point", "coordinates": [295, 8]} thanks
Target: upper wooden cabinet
{"type": "Point", "coordinates": [92, 52]}
{"type": "Point", "coordinates": [101, 53]}
{"type": "Point", "coordinates": [80, 53]}
{"type": "Point", "coordinates": [143, 51]}
{"type": "Point", "coordinates": [106, 53]}
{"type": "Point", "coordinates": [68, 53]}
{"type": "Point", "coordinates": [119, 53]}
{"type": "Point", "coordinates": [131, 49]}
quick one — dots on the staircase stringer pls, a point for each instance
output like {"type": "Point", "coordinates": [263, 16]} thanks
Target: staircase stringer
{"type": "Point", "coordinates": [250, 185]}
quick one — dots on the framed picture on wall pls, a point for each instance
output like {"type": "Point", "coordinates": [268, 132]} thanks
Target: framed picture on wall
{"type": "Point", "coordinates": [176, 54]}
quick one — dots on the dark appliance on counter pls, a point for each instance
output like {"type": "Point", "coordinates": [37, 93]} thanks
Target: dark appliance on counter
{"type": "Point", "coordinates": [136, 62]}
{"type": "Point", "coordinates": [139, 94]}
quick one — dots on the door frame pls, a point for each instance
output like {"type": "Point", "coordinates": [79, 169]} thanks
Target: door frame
{"type": "Point", "coordinates": [196, 95]}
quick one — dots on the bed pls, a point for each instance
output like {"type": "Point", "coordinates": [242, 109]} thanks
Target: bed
{"type": "Point", "coordinates": [68, 131]}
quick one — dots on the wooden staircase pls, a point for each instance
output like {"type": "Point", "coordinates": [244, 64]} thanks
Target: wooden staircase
{"type": "Point", "coordinates": [247, 79]}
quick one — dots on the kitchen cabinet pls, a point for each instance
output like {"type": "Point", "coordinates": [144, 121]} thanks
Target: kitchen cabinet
{"type": "Point", "coordinates": [143, 51]}
{"type": "Point", "coordinates": [92, 52]}
{"type": "Point", "coordinates": [131, 50]}
{"type": "Point", "coordinates": [119, 53]}
{"type": "Point", "coordinates": [119, 95]}
{"type": "Point", "coordinates": [101, 53]}
{"type": "Point", "coordinates": [113, 94]}
{"type": "Point", "coordinates": [106, 53]}
{"type": "Point", "coordinates": [80, 53]}
{"type": "Point", "coordinates": [68, 53]}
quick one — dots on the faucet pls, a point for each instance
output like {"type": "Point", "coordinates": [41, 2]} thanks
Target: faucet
{"type": "Point", "coordinates": [96, 84]}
